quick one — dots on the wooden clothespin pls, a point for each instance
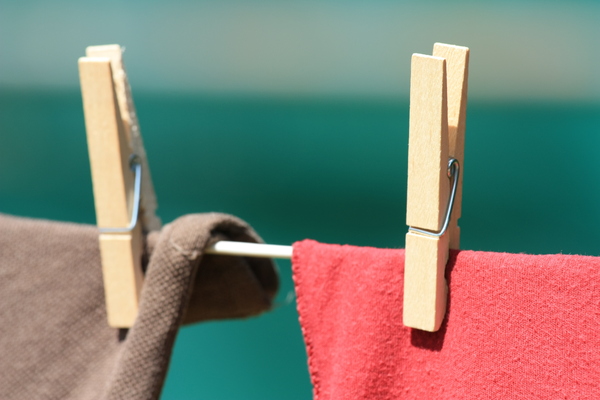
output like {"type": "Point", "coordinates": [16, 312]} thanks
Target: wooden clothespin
{"type": "Point", "coordinates": [438, 101]}
{"type": "Point", "coordinates": [114, 137]}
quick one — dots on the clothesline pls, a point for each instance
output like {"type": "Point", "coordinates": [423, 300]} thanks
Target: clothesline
{"type": "Point", "coordinates": [250, 249]}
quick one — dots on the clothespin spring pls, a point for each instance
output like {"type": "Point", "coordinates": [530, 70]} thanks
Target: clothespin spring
{"type": "Point", "coordinates": [136, 166]}
{"type": "Point", "coordinates": [453, 173]}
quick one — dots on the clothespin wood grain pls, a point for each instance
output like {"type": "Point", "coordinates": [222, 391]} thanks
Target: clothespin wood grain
{"type": "Point", "coordinates": [425, 288]}
{"type": "Point", "coordinates": [113, 136]}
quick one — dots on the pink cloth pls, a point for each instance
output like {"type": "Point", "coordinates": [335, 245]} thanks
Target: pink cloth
{"type": "Point", "coordinates": [518, 326]}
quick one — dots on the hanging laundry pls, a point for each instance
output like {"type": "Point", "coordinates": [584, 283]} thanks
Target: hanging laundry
{"type": "Point", "coordinates": [54, 339]}
{"type": "Point", "coordinates": [517, 327]}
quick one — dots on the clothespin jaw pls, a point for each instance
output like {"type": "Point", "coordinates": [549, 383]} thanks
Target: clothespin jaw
{"type": "Point", "coordinates": [113, 138]}
{"type": "Point", "coordinates": [437, 96]}
{"type": "Point", "coordinates": [457, 76]}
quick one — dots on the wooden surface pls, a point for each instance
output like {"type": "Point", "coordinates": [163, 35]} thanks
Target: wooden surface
{"type": "Point", "coordinates": [112, 179]}
{"type": "Point", "coordinates": [131, 126]}
{"type": "Point", "coordinates": [425, 292]}
{"type": "Point", "coordinates": [428, 189]}
{"type": "Point", "coordinates": [425, 288]}
{"type": "Point", "coordinates": [438, 102]}
{"type": "Point", "coordinates": [457, 76]}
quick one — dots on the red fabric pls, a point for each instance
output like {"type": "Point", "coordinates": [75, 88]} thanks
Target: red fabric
{"type": "Point", "coordinates": [518, 326]}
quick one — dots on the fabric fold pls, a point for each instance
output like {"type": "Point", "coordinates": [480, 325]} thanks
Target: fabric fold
{"type": "Point", "coordinates": [54, 340]}
{"type": "Point", "coordinates": [518, 326]}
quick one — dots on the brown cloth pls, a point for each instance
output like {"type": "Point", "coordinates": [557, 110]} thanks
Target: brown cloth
{"type": "Point", "coordinates": [54, 339]}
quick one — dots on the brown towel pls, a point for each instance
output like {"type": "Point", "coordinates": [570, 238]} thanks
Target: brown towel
{"type": "Point", "coordinates": [54, 339]}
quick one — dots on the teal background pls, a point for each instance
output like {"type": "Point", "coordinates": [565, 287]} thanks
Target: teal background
{"type": "Point", "coordinates": [294, 116]}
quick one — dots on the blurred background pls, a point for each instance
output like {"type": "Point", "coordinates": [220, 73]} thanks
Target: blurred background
{"type": "Point", "coordinates": [293, 115]}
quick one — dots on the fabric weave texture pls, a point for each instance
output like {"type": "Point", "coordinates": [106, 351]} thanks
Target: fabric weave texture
{"type": "Point", "coordinates": [54, 339]}
{"type": "Point", "coordinates": [518, 326]}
